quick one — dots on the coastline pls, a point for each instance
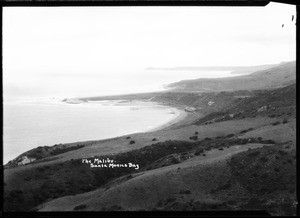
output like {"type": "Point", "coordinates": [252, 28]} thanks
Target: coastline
{"type": "Point", "coordinates": [178, 115]}
{"type": "Point", "coordinates": [176, 120]}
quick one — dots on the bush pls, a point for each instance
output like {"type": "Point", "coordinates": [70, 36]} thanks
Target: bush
{"type": "Point", "coordinates": [264, 159]}
{"type": "Point", "coordinates": [285, 121]}
{"type": "Point", "coordinates": [40, 169]}
{"type": "Point", "coordinates": [199, 151]}
{"type": "Point", "coordinates": [244, 141]}
{"type": "Point", "coordinates": [269, 141]}
{"type": "Point", "coordinates": [221, 149]}
{"type": "Point", "coordinates": [154, 139]}
{"type": "Point", "coordinates": [255, 153]}
{"type": "Point", "coordinates": [186, 192]}
{"type": "Point", "coordinates": [282, 152]}
{"type": "Point", "coordinates": [276, 123]}
{"type": "Point", "coordinates": [131, 142]}
{"type": "Point", "coordinates": [230, 135]}
{"type": "Point", "coordinates": [194, 137]}
{"type": "Point", "coordinates": [128, 137]}
{"type": "Point", "coordinates": [28, 178]}
{"type": "Point", "coordinates": [80, 207]}
{"type": "Point", "coordinates": [174, 160]}
{"type": "Point", "coordinates": [196, 133]}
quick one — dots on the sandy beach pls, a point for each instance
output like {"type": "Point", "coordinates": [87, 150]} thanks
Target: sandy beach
{"type": "Point", "coordinates": [179, 114]}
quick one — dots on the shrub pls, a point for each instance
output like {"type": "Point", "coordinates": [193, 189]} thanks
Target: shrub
{"type": "Point", "coordinates": [196, 133]}
{"type": "Point", "coordinates": [221, 149]}
{"type": "Point", "coordinates": [255, 153]}
{"type": "Point", "coordinates": [276, 123]}
{"type": "Point", "coordinates": [269, 141]}
{"type": "Point", "coordinates": [40, 169]}
{"type": "Point", "coordinates": [285, 121]}
{"type": "Point", "coordinates": [80, 207]}
{"type": "Point", "coordinates": [259, 139]}
{"type": "Point", "coordinates": [28, 178]}
{"type": "Point", "coordinates": [194, 137]}
{"type": "Point", "coordinates": [128, 137]}
{"type": "Point", "coordinates": [230, 135]}
{"type": "Point", "coordinates": [243, 141]}
{"type": "Point", "coordinates": [199, 151]}
{"type": "Point", "coordinates": [186, 192]}
{"type": "Point", "coordinates": [154, 139]}
{"type": "Point", "coordinates": [264, 159]}
{"type": "Point", "coordinates": [282, 152]}
{"type": "Point", "coordinates": [131, 142]}
{"type": "Point", "coordinates": [243, 131]}
{"type": "Point", "coordinates": [174, 160]}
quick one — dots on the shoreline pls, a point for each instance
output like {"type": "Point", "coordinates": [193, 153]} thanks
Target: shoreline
{"type": "Point", "coordinates": [178, 111]}
{"type": "Point", "coordinates": [178, 116]}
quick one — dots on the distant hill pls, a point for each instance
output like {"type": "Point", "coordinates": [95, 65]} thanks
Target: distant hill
{"type": "Point", "coordinates": [234, 69]}
{"type": "Point", "coordinates": [281, 75]}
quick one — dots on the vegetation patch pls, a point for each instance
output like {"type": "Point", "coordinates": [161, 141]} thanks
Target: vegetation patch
{"type": "Point", "coordinates": [73, 177]}
{"type": "Point", "coordinates": [261, 173]}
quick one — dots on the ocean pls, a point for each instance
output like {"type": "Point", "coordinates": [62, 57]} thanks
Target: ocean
{"type": "Point", "coordinates": [36, 116]}
{"type": "Point", "coordinates": [32, 124]}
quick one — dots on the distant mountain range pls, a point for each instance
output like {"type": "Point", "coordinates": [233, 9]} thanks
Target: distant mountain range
{"type": "Point", "coordinates": [273, 77]}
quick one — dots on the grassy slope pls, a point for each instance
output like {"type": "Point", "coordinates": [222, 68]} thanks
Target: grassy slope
{"type": "Point", "coordinates": [69, 177]}
{"type": "Point", "coordinates": [64, 176]}
{"type": "Point", "coordinates": [213, 182]}
{"type": "Point", "coordinates": [281, 75]}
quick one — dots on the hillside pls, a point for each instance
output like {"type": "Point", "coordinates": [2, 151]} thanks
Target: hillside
{"type": "Point", "coordinates": [223, 179]}
{"type": "Point", "coordinates": [242, 142]}
{"type": "Point", "coordinates": [233, 69]}
{"type": "Point", "coordinates": [278, 76]}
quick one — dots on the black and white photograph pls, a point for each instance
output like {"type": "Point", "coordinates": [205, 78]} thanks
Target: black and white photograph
{"type": "Point", "coordinates": [149, 108]}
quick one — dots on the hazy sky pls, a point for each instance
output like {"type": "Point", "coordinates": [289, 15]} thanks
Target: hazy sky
{"type": "Point", "coordinates": [77, 41]}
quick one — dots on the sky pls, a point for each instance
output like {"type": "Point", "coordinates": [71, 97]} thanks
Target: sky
{"type": "Point", "coordinates": [42, 43]}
